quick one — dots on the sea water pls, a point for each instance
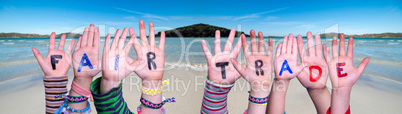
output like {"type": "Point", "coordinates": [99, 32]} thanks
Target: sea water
{"type": "Point", "coordinates": [17, 60]}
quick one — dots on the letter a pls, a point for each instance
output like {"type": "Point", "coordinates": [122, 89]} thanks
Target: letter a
{"type": "Point", "coordinates": [83, 63]}
{"type": "Point", "coordinates": [285, 66]}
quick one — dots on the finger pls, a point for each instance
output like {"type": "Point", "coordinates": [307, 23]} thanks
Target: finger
{"type": "Point", "coordinates": [310, 44]}
{"type": "Point", "coordinates": [123, 38]}
{"type": "Point", "coordinates": [334, 47]}
{"type": "Point", "coordinates": [294, 45]}
{"type": "Point", "coordinates": [136, 44]}
{"type": "Point", "coordinates": [217, 42]}
{"type": "Point", "coordinates": [130, 42]}
{"type": "Point", "coordinates": [253, 42]}
{"type": "Point", "coordinates": [300, 45]}
{"type": "Point", "coordinates": [207, 53]}
{"type": "Point", "coordinates": [84, 37]}
{"type": "Point", "coordinates": [229, 42]}
{"type": "Point", "coordinates": [143, 34]}
{"type": "Point", "coordinates": [363, 64]}
{"type": "Point", "coordinates": [246, 51]}
{"type": "Point", "coordinates": [278, 50]}
{"type": "Point", "coordinates": [270, 47]}
{"type": "Point", "coordinates": [97, 39]}
{"type": "Point", "coordinates": [52, 41]}
{"type": "Point", "coordinates": [106, 45]}
{"type": "Point", "coordinates": [62, 42]}
{"type": "Point", "coordinates": [318, 47]}
{"type": "Point", "coordinates": [152, 36]}
{"type": "Point", "coordinates": [162, 41]}
{"type": "Point", "coordinates": [261, 46]}
{"type": "Point", "coordinates": [91, 35]}
{"type": "Point", "coordinates": [37, 55]}
{"type": "Point", "coordinates": [237, 66]}
{"type": "Point", "coordinates": [342, 45]}
{"type": "Point", "coordinates": [236, 49]}
{"type": "Point", "coordinates": [78, 43]}
{"type": "Point", "coordinates": [350, 48]}
{"type": "Point", "coordinates": [289, 45]}
{"type": "Point", "coordinates": [115, 39]}
{"type": "Point", "coordinates": [326, 53]}
{"type": "Point", "coordinates": [301, 67]}
{"type": "Point", "coordinates": [284, 44]}
{"type": "Point", "coordinates": [70, 47]}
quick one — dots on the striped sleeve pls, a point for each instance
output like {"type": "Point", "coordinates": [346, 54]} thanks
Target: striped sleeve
{"type": "Point", "coordinates": [215, 98]}
{"type": "Point", "coordinates": [111, 102]}
{"type": "Point", "coordinates": [54, 85]}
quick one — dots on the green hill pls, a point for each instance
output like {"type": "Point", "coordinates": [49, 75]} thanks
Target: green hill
{"type": "Point", "coordinates": [198, 30]}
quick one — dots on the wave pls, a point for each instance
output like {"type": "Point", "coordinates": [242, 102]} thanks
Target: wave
{"type": "Point", "coordinates": [9, 43]}
{"type": "Point", "coordinates": [392, 43]}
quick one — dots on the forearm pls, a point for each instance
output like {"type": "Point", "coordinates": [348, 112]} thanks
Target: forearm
{"type": "Point", "coordinates": [340, 100]}
{"type": "Point", "coordinates": [84, 83]}
{"type": "Point", "coordinates": [258, 92]}
{"type": "Point", "coordinates": [321, 99]}
{"type": "Point", "coordinates": [54, 85]}
{"type": "Point", "coordinates": [152, 84]}
{"type": "Point", "coordinates": [215, 98]}
{"type": "Point", "coordinates": [276, 101]}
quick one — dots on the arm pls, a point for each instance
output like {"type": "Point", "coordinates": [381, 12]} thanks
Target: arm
{"type": "Point", "coordinates": [221, 74]}
{"type": "Point", "coordinates": [314, 78]}
{"type": "Point", "coordinates": [342, 73]}
{"type": "Point", "coordinates": [257, 72]}
{"type": "Point", "coordinates": [55, 67]}
{"type": "Point", "coordinates": [286, 68]}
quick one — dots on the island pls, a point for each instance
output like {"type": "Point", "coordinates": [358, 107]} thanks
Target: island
{"type": "Point", "coordinates": [23, 35]}
{"type": "Point", "coordinates": [198, 30]}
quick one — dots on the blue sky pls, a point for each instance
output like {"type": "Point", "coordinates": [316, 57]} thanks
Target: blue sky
{"type": "Point", "coordinates": [274, 18]}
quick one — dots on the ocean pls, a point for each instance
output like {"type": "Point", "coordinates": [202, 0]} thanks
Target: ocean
{"type": "Point", "coordinates": [17, 60]}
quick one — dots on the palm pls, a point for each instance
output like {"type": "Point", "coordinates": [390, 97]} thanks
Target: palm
{"type": "Point", "coordinates": [348, 74]}
{"type": "Point", "coordinates": [87, 45]}
{"type": "Point", "coordinates": [292, 61]}
{"type": "Point", "coordinates": [63, 64]}
{"type": "Point", "coordinates": [215, 73]}
{"type": "Point", "coordinates": [144, 72]}
{"type": "Point", "coordinates": [313, 80]}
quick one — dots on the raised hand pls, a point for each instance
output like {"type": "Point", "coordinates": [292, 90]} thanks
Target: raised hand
{"type": "Point", "coordinates": [285, 63]}
{"type": "Point", "coordinates": [315, 76]}
{"type": "Point", "coordinates": [86, 60]}
{"type": "Point", "coordinates": [57, 62]}
{"type": "Point", "coordinates": [220, 68]}
{"type": "Point", "coordinates": [151, 58]}
{"type": "Point", "coordinates": [341, 69]}
{"type": "Point", "coordinates": [258, 70]}
{"type": "Point", "coordinates": [115, 65]}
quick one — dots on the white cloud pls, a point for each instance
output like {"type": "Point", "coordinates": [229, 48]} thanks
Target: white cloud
{"type": "Point", "coordinates": [256, 15]}
{"type": "Point", "coordinates": [146, 15]}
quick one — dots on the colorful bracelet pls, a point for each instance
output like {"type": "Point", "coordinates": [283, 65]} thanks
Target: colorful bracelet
{"type": "Point", "coordinates": [139, 110]}
{"type": "Point", "coordinates": [72, 99]}
{"type": "Point", "coordinates": [81, 91]}
{"type": "Point", "coordinates": [86, 110]}
{"type": "Point", "coordinates": [152, 105]}
{"type": "Point", "coordinates": [153, 92]}
{"type": "Point", "coordinates": [258, 101]}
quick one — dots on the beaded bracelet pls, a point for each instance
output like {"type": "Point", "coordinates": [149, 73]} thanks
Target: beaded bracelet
{"type": "Point", "coordinates": [152, 105]}
{"type": "Point", "coordinates": [153, 92]}
{"type": "Point", "coordinates": [258, 101]}
{"type": "Point", "coordinates": [72, 99]}
{"type": "Point", "coordinates": [86, 110]}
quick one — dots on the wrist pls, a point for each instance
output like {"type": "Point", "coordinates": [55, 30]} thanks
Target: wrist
{"type": "Point", "coordinates": [152, 84]}
{"type": "Point", "coordinates": [280, 85]}
{"type": "Point", "coordinates": [84, 82]}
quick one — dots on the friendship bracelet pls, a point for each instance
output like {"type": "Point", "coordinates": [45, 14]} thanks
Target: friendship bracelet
{"type": "Point", "coordinates": [77, 88]}
{"type": "Point", "coordinates": [258, 101]}
{"type": "Point", "coordinates": [86, 110]}
{"type": "Point", "coordinates": [54, 85]}
{"type": "Point", "coordinates": [152, 105]}
{"type": "Point", "coordinates": [139, 110]}
{"type": "Point", "coordinates": [153, 92]}
{"type": "Point", "coordinates": [72, 99]}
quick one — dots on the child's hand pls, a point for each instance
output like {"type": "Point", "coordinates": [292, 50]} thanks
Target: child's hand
{"type": "Point", "coordinates": [319, 69]}
{"type": "Point", "coordinates": [286, 59]}
{"type": "Point", "coordinates": [86, 60]}
{"type": "Point", "coordinates": [220, 68]}
{"type": "Point", "coordinates": [341, 69]}
{"type": "Point", "coordinates": [258, 70]}
{"type": "Point", "coordinates": [57, 62]}
{"type": "Point", "coordinates": [151, 59]}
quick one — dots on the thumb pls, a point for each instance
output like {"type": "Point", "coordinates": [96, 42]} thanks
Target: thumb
{"type": "Point", "coordinates": [363, 64]}
{"type": "Point", "coordinates": [237, 66]}
{"type": "Point", "coordinates": [37, 54]}
{"type": "Point", "coordinates": [302, 66]}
